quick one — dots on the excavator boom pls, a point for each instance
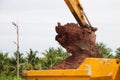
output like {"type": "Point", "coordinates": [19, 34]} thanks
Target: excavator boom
{"type": "Point", "coordinates": [78, 12]}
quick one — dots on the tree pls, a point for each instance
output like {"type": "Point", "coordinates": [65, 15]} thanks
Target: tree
{"type": "Point", "coordinates": [103, 50]}
{"type": "Point", "coordinates": [13, 63]}
{"type": "Point", "coordinates": [117, 53]}
{"type": "Point", "coordinates": [32, 60]}
{"type": "Point", "coordinates": [3, 62]}
{"type": "Point", "coordinates": [61, 53]}
{"type": "Point", "coordinates": [53, 57]}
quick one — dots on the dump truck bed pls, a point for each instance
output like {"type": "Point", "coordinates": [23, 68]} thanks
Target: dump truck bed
{"type": "Point", "coordinates": [90, 69]}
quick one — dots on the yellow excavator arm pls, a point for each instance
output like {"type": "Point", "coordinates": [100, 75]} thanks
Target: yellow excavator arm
{"type": "Point", "coordinates": [78, 12]}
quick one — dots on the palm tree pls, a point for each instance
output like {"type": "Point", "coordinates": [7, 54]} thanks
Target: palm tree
{"type": "Point", "coordinates": [3, 62]}
{"type": "Point", "coordinates": [32, 60]}
{"type": "Point", "coordinates": [53, 57]}
{"type": "Point", "coordinates": [13, 63]}
{"type": "Point", "coordinates": [117, 53]}
{"type": "Point", "coordinates": [61, 53]}
{"type": "Point", "coordinates": [50, 58]}
{"type": "Point", "coordinates": [103, 50]}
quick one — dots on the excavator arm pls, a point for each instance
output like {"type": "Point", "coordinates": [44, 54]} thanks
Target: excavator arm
{"type": "Point", "coordinates": [78, 12]}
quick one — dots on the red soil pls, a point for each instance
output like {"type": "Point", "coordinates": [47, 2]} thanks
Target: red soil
{"type": "Point", "coordinates": [76, 40]}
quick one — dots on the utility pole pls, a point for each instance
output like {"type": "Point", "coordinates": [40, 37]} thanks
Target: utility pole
{"type": "Point", "coordinates": [17, 44]}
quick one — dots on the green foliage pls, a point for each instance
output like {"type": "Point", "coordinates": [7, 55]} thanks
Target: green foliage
{"type": "Point", "coordinates": [13, 63]}
{"type": "Point", "coordinates": [106, 52]}
{"type": "Point", "coordinates": [52, 57]}
{"type": "Point", "coordinates": [8, 65]}
{"type": "Point", "coordinates": [4, 77]}
{"type": "Point", "coordinates": [15, 78]}
{"type": "Point", "coordinates": [117, 53]}
{"type": "Point", "coordinates": [4, 60]}
{"type": "Point", "coordinates": [31, 61]}
{"type": "Point", "coordinates": [103, 50]}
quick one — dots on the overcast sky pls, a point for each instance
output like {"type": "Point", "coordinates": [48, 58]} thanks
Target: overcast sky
{"type": "Point", "coordinates": [37, 20]}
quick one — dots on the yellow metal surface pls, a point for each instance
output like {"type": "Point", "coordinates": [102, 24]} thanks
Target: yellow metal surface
{"type": "Point", "coordinates": [78, 12]}
{"type": "Point", "coordinates": [56, 74]}
{"type": "Point", "coordinates": [102, 67]}
{"type": "Point", "coordinates": [90, 69]}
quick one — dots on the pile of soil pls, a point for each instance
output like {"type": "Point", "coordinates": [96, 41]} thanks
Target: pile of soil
{"type": "Point", "coordinates": [76, 40]}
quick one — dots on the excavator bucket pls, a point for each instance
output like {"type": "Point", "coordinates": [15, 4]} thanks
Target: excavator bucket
{"type": "Point", "coordinates": [90, 69]}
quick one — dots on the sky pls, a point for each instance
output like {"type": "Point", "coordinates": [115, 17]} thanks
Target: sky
{"type": "Point", "coordinates": [37, 20]}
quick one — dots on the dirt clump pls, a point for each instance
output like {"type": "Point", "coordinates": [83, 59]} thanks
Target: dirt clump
{"type": "Point", "coordinates": [78, 41]}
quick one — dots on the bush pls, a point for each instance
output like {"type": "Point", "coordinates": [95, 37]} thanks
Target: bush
{"type": "Point", "coordinates": [4, 77]}
{"type": "Point", "coordinates": [18, 78]}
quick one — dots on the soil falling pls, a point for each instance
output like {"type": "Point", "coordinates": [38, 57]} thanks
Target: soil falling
{"type": "Point", "coordinates": [76, 40]}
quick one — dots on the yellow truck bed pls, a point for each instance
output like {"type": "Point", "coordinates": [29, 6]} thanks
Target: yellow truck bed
{"type": "Point", "coordinates": [90, 69]}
